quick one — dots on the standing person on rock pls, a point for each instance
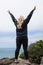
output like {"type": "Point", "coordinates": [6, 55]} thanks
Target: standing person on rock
{"type": "Point", "coordinates": [21, 34]}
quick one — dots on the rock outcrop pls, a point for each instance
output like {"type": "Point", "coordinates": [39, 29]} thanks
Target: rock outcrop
{"type": "Point", "coordinates": [41, 61]}
{"type": "Point", "coordinates": [10, 61]}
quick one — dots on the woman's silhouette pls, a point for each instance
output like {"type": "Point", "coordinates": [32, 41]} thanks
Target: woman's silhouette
{"type": "Point", "coordinates": [21, 34]}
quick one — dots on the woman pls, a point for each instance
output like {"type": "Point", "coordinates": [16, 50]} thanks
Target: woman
{"type": "Point", "coordinates": [21, 34]}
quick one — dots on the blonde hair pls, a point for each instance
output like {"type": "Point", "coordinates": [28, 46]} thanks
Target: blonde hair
{"type": "Point", "coordinates": [20, 21]}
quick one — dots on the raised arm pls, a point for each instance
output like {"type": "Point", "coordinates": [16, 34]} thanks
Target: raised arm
{"type": "Point", "coordinates": [13, 18]}
{"type": "Point", "coordinates": [29, 16]}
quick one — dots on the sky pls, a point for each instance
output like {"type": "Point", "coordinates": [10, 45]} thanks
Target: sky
{"type": "Point", "coordinates": [20, 7]}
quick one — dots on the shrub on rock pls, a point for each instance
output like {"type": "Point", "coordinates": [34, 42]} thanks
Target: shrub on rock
{"type": "Point", "coordinates": [35, 52]}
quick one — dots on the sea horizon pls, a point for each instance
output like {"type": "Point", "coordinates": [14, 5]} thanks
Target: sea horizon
{"type": "Point", "coordinates": [8, 52]}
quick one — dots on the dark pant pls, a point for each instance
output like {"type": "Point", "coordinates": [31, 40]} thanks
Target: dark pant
{"type": "Point", "coordinates": [19, 41]}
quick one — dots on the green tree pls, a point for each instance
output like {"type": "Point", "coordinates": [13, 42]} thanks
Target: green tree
{"type": "Point", "coordinates": [35, 52]}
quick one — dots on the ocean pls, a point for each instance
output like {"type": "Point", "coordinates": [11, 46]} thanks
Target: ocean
{"type": "Point", "coordinates": [8, 52]}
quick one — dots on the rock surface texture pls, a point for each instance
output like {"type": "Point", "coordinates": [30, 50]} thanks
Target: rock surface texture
{"type": "Point", "coordinates": [41, 61]}
{"type": "Point", "coordinates": [8, 61]}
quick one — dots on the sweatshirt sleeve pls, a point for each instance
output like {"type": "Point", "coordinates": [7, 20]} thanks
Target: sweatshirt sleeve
{"type": "Point", "coordinates": [13, 18]}
{"type": "Point", "coordinates": [29, 17]}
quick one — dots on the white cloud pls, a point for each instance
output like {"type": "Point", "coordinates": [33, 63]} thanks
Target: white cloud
{"type": "Point", "coordinates": [36, 23]}
{"type": "Point", "coordinates": [21, 7]}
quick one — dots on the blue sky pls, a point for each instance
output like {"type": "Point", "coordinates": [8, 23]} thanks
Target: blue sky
{"type": "Point", "coordinates": [20, 7]}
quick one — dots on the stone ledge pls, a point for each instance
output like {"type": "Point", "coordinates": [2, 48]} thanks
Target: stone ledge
{"type": "Point", "coordinates": [10, 61]}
